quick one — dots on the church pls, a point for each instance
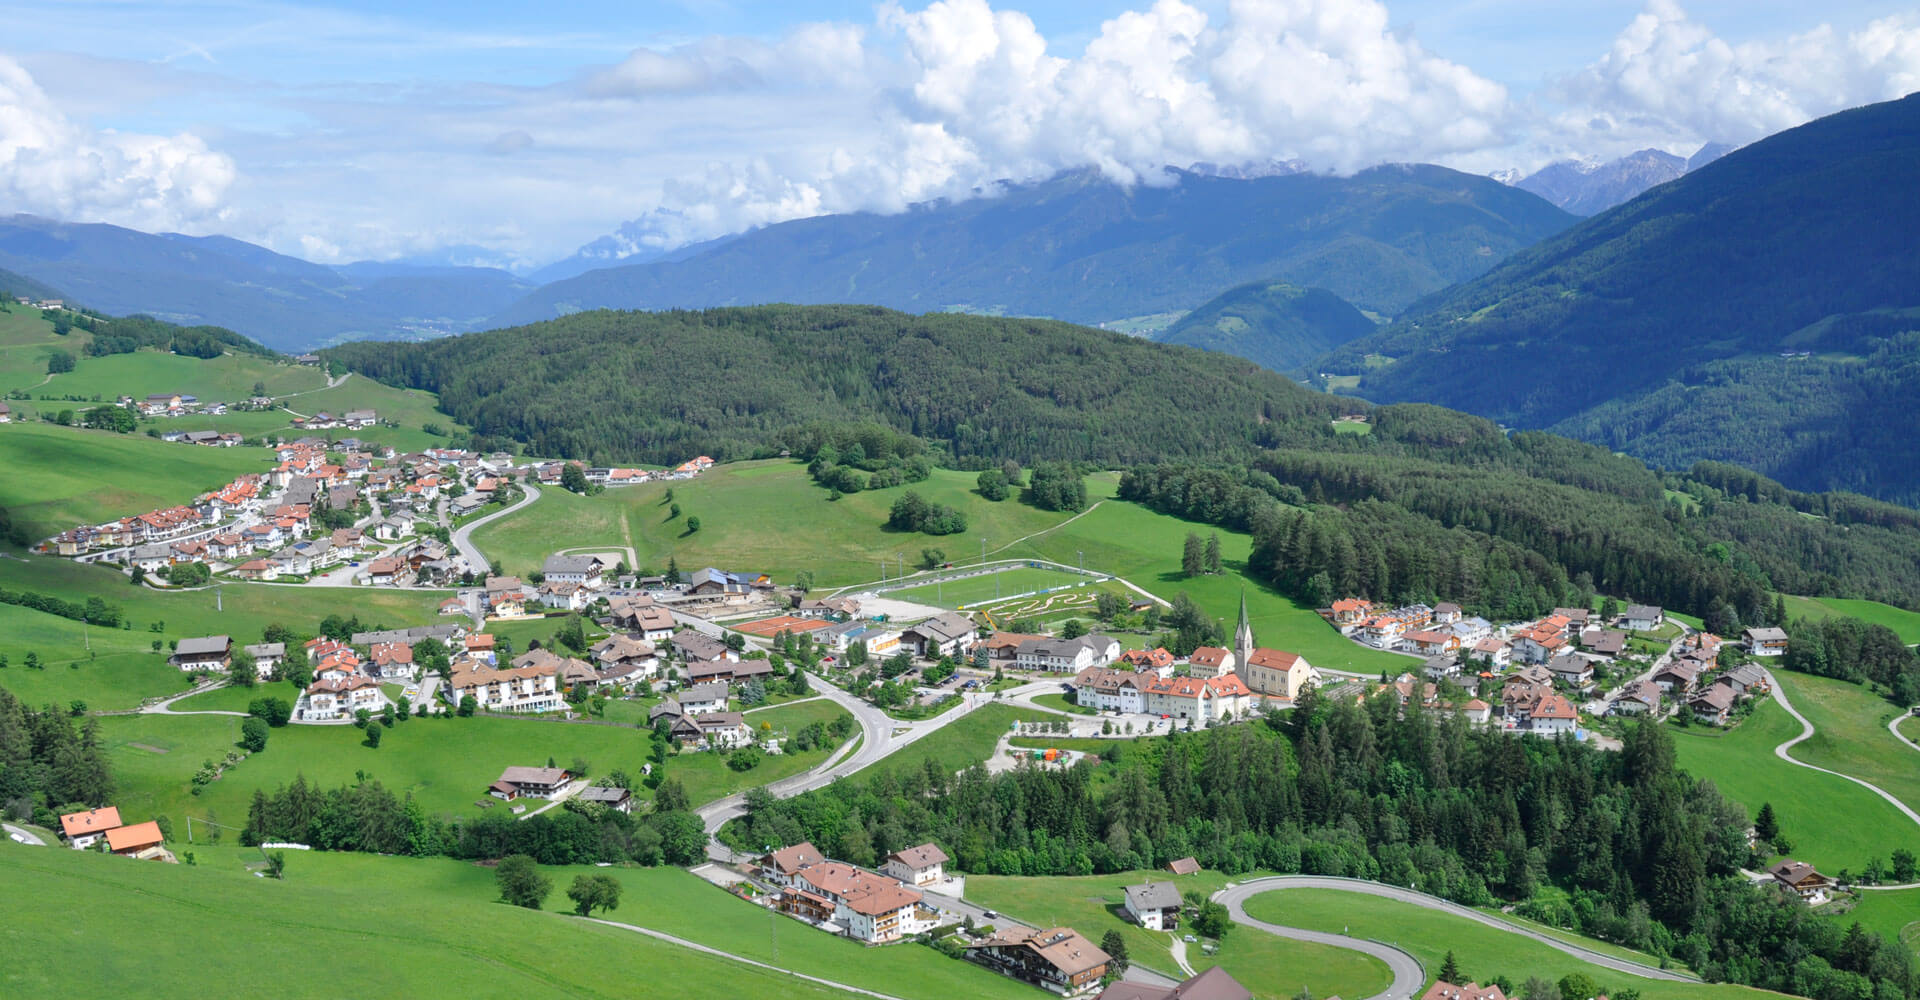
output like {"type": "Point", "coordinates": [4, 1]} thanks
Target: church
{"type": "Point", "coordinates": [1270, 672]}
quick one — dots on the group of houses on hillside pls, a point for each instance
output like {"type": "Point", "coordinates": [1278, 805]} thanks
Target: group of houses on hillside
{"type": "Point", "coordinates": [102, 829]}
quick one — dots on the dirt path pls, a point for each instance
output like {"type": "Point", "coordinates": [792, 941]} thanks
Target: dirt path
{"type": "Point", "coordinates": [717, 953]}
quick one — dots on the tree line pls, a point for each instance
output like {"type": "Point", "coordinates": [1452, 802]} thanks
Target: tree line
{"type": "Point", "coordinates": [48, 765]}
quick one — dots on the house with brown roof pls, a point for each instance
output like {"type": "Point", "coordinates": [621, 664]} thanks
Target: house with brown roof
{"type": "Point", "coordinates": [1639, 698]}
{"type": "Point", "coordinates": [1210, 661]}
{"type": "Point", "coordinates": [214, 652]}
{"type": "Point", "coordinates": [922, 865]}
{"type": "Point", "coordinates": [1678, 677]}
{"type": "Point", "coordinates": [1056, 958]}
{"type": "Point", "coordinates": [83, 829]}
{"type": "Point", "coordinates": [872, 907]}
{"type": "Point", "coordinates": [1212, 984]}
{"type": "Point", "coordinates": [1106, 690]}
{"type": "Point", "coordinates": [1799, 878]}
{"type": "Point", "coordinates": [640, 614]}
{"type": "Point", "coordinates": [1713, 704]}
{"type": "Point", "coordinates": [1443, 990]}
{"type": "Point", "coordinates": [1156, 660]}
{"type": "Point", "coordinates": [530, 783]}
{"type": "Point", "coordinates": [611, 797]}
{"type": "Point", "coordinates": [1003, 648]}
{"type": "Point", "coordinates": [1183, 866]}
{"type": "Point", "coordinates": [779, 867]}
{"type": "Point", "coordinates": [1607, 642]}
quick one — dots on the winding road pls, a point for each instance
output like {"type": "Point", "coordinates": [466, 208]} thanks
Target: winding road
{"type": "Point", "coordinates": [1408, 975]}
{"type": "Point", "coordinates": [26, 837]}
{"type": "Point", "coordinates": [1893, 726]}
{"type": "Point", "coordinates": [463, 535]}
{"type": "Point", "coordinates": [1806, 731]}
{"type": "Point", "coordinates": [166, 707]}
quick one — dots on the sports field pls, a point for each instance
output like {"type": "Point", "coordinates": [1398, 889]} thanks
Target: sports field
{"type": "Point", "coordinates": [1742, 765]}
{"type": "Point", "coordinates": [988, 588]}
{"type": "Point", "coordinates": [1267, 965]}
{"type": "Point", "coordinates": [1483, 952]}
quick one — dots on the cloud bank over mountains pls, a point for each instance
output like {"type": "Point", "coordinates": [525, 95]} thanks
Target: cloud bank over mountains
{"type": "Point", "coordinates": [714, 135]}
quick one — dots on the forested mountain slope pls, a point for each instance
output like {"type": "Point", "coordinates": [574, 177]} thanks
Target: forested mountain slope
{"type": "Point", "coordinates": [1800, 242]}
{"type": "Point", "coordinates": [662, 387]}
{"type": "Point", "coordinates": [1081, 248]}
{"type": "Point", "coordinates": [1276, 324]}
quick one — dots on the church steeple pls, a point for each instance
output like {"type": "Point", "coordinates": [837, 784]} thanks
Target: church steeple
{"type": "Point", "coordinates": [1243, 635]}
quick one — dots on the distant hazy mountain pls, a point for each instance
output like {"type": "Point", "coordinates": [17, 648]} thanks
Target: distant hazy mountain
{"type": "Point", "coordinates": [1081, 248]}
{"type": "Point", "coordinates": [1708, 153]}
{"type": "Point", "coordinates": [1659, 327]}
{"type": "Point", "coordinates": [1590, 188]}
{"type": "Point", "coordinates": [283, 302]}
{"type": "Point", "coordinates": [1278, 325]}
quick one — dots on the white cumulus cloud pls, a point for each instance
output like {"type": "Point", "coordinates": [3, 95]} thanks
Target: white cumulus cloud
{"type": "Point", "coordinates": [50, 165]}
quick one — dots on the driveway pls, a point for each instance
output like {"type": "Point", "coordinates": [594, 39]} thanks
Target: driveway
{"type": "Point", "coordinates": [23, 836]}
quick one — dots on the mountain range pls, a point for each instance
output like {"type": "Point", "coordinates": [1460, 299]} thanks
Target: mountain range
{"type": "Point", "coordinates": [1586, 187]}
{"type": "Point", "coordinates": [1075, 247]}
{"type": "Point", "coordinates": [1759, 309]}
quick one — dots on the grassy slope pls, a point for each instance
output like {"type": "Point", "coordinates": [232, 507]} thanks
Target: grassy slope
{"type": "Point", "coordinates": [706, 776]}
{"type": "Point", "coordinates": [759, 516]}
{"type": "Point", "coordinates": [119, 673]}
{"type": "Point", "coordinates": [1904, 623]}
{"type": "Point", "coordinates": [769, 516]}
{"type": "Point", "coordinates": [59, 476]}
{"type": "Point", "coordinates": [984, 589]}
{"type": "Point", "coordinates": [224, 379]}
{"type": "Point", "coordinates": [166, 916]}
{"type": "Point", "coordinates": [248, 608]}
{"type": "Point", "coordinates": [1851, 737]}
{"type": "Point", "coordinates": [1832, 823]}
{"type": "Point", "coordinates": [1482, 951]}
{"type": "Point", "coordinates": [1263, 963]}
{"type": "Point", "coordinates": [26, 341]}
{"type": "Point", "coordinates": [960, 743]}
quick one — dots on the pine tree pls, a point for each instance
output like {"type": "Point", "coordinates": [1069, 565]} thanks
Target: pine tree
{"type": "Point", "coordinates": [1213, 553]}
{"type": "Point", "coordinates": [1766, 826]}
{"type": "Point", "coordinates": [1450, 970]}
{"type": "Point", "coordinates": [1192, 556]}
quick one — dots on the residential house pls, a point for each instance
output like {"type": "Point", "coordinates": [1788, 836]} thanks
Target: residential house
{"type": "Point", "coordinates": [228, 547]}
{"type": "Point", "coordinates": [1156, 660]}
{"type": "Point", "coordinates": [1445, 613]}
{"type": "Point", "coordinates": [1003, 648]}
{"type": "Point", "coordinates": [627, 654]}
{"type": "Point", "coordinates": [613, 798]}
{"type": "Point", "coordinates": [1350, 613]}
{"type": "Point", "coordinates": [1713, 704]}
{"type": "Point", "coordinates": [1066, 656]}
{"type": "Point", "coordinates": [873, 908]}
{"type": "Point", "coordinates": [1604, 642]}
{"type": "Point", "coordinates": [453, 606]}
{"type": "Point", "coordinates": [1639, 698]}
{"type": "Point", "coordinates": [722, 730]}
{"type": "Point", "coordinates": [6, 414]}
{"type": "Point", "coordinates": [506, 597]}
{"type": "Point", "coordinates": [385, 571]}
{"type": "Point", "coordinates": [1155, 905]}
{"type": "Point", "coordinates": [84, 829]}
{"type": "Point", "coordinates": [1443, 990]}
{"type": "Point", "coordinates": [1212, 984]}
{"type": "Point", "coordinates": [257, 569]}
{"type": "Point", "coordinates": [393, 661]}
{"type": "Point", "coordinates": [1642, 618]}
{"type": "Point", "coordinates": [564, 596]}
{"type": "Point", "coordinates": [585, 571]}
{"type": "Point", "coordinates": [1277, 673]}
{"type": "Point", "coordinates": [214, 652]}
{"type": "Point", "coordinates": [1183, 866]}
{"type": "Point", "coordinates": [267, 657]}
{"type": "Point", "coordinates": [728, 671]}
{"type": "Point", "coordinates": [1056, 958]}
{"type": "Point", "coordinates": [1493, 653]}
{"type": "Point", "coordinates": [530, 783]}
{"type": "Point", "coordinates": [1210, 661]}
{"type": "Point", "coordinates": [1678, 677]}
{"type": "Point", "coordinates": [640, 614]}
{"type": "Point", "coordinates": [1478, 712]}
{"type": "Point", "coordinates": [1744, 679]}
{"type": "Point", "coordinates": [950, 634]}
{"type": "Point", "coordinates": [1571, 669]}
{"type": "Point", "coordinates": [339, 697]}
{"type": "Point", "coordinates": [520, 689]}
{"type": "Point", "coordinates": [922, 865]}
{"type": "Point", "coordinates": [698, 647]}
{"type": "Point", "coordinates": [840, 608]}
{"type": "Point", "coordinates": [1201, 700]}
{"type": "Point", "coordinates": [1801, 879]}
{"type": "Point", "coordinates": [701, 699]}
{"type": "Point", "coordinates": [1577, 619]}
{"type": "Point", "coordinates": [137, 840]}
{"type": "Point", "coordinates": [1765, 641]}
{"type": "Point", "coordinates": [1427, 642]}
{"type": "Point", "coordinates": [779, 867]}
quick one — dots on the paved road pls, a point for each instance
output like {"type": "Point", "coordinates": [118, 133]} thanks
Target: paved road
{"type": "Point", "coordinates": [1408, 976]}
{"type": "Point", "coordinates": [166, 707]}
{"type": "Point", "coordinates": [1806, 731]}
{"type": "Point", "coordinates": [1893, 726]}
{"type": "Point", "coordinates": [463, 535]}
{"type": "Point", "coordinates": [23, 836]}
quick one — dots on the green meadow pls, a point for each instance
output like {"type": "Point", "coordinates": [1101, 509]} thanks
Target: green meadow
{"type": "Point", "coordinates": [1482, 952]}
{"type": "Point", "coordinates": [1850, 736]}
{"type": "Point", "coordinates": [1265, 964]}
{"type": "Point", "coordinates": [109, 669]}
{"type": "Point", "coordinates": [58, 477]}
{"type": "Point", "coordinates": [1741, 764]}
{"type": "Point", "coordinates": [1904, 623]}
{"type": "Point", "coordinates": [388, 926]}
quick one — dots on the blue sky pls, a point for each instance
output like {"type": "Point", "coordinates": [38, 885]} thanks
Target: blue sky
{"type": "Point", "coordinates": [514, 133]}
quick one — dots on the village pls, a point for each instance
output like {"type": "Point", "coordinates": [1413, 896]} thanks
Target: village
{"type": "Point", "coordinates": [698, 650]}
